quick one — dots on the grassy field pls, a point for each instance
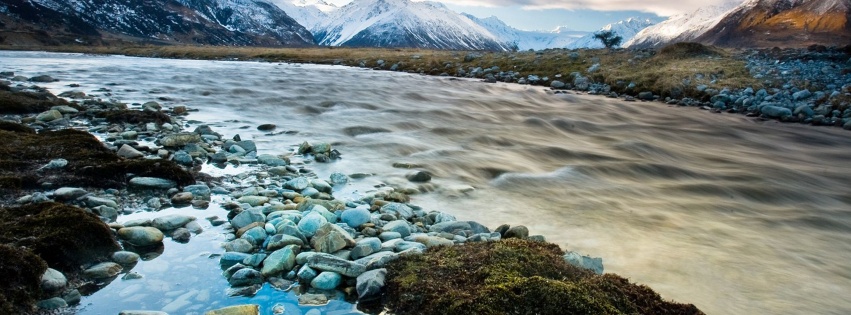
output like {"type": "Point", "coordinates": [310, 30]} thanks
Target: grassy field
{"type": "Point", "coordinates": [672, 71]}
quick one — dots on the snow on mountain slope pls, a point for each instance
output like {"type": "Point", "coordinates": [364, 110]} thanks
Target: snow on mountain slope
{"type": "Point", "coordinates": [404, 23]}
{"type": "Point", "coordinates": [682, 27]}
{"type": "Point", "coordinates": [626, 29]}
{"type": "Point", "coordinates": [306, 12]}
{"type": "Point", "coordinates": [524, 40]}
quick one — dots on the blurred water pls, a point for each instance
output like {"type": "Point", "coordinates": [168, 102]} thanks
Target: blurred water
{"type": "Point", "coordinates": [732, 214]}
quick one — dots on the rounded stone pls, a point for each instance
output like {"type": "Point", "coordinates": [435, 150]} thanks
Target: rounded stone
{"type": "Point", "coordinates": [125, 257]}
{"type": "Point", "coordinates": [310, 223]}
{"type": "Point", "coordinates": [102, 270]}
{"type": "Point", "coordinates": [355, 217]}
{"type": "Point", "coordinates": [53, 280]}
{"type": "Point", "coordinates": [141, 235]}
{"type": "Point", "coordinates": [326, 280]}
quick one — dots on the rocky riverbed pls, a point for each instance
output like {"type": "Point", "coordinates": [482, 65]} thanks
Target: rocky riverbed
{"type": "Point", "coordinates": [284, 226]}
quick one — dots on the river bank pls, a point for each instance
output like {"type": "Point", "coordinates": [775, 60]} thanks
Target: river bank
{"type": "Point", "coordinates": [808, 86]}
{"type": "Point", "coordinates": [275, 209]}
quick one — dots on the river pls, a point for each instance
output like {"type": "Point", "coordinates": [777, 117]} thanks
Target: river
{"type": "Point", "coordinates": [732, 214]}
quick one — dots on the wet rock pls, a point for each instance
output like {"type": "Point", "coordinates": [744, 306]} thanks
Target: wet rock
{"type": "Point", "coordinates": [297, 184]}
{"type": "Point", "coordinates": [430, 241]}
{"type": "Point", "coordinates": [518, 231]}
{"type": "Point", "coordinates": [247, 309]}
{"type": "Point", "coordinates": [53, 280]}
{"type": "Point", "coordinates": [178, 140]}
{"type": "Point", "coordinates": [51, 303]}
{"type": "Point", "coordinates": [775, 111]}
{"type": "Point", "coordinates": [339, 179]}
{"type": "Point", "coordinates": [141, 235]}
{"type": "Point", "coordinates": [398, 209]}
{"type": "Point", "coordinates": [239, 245]}
{"type": "Point", "coordinates": [151, 106]}
{"type": "Point", "coordinates": [102, 270]}
{"type": "Point", "coordinates": [336, 264]}
{"type": "Point", "coordinates": [280, 261]}
{"type": "Point", "coordinates": [311, 223]}
{"type": "Point", "coordinates": [646, 96]}
{"type": "Point", "coordinates": [556, 84]}
{"type": "Point", "coordinates": [370, 284]}
{"type": "Point", "coordinates": [355, 217]}
{"type": "Point", "coordinates": [587, 262]}
{"type": "Point", "coordinates": [200, 191]}
{"type": "Point", "coordinates": [42, 79]}
{"type": "Point", "coordinates": [312, 299]}
{"type": "Point", "coordinates": [229, 259]}
{"type": "Point", "coordinates": [327, 280]}
{"type": "Point", "coordinates": [418, 177]}
{"type": "Point", "coordinates": [306, 274]}
{"type": "Point", "coordinates": [330, 238]}
{"type": "Point", "coordinates": [399, 226]}
{"type": "Point", "coordinates": [49, 116]}
{"type": "Point", "coordinates": [92, 201]}
{"type": "Point", "coordinates": [245, 277]}
{"type": "Point", "coordinates": [266, 127]}
{"type": "Point", "coordinates": [73, 297]}
{"type": "Point", "coordinates": [271, 160]}
{"type": "Point", "coordinates": [254, 201]}
{"type": "Point", "coordinates": [125, 257]}
{"type": "Point", "coordinates": [68, 193]}
{"type": "Point", "coordinates": [386, 236]}
{"type": "Point", "coordinates": [171, 221]}
{"type": "Point", "coordinates": [181, 235]}
{"type": "Point", "coordinates": [182, 199]}
{"type": "Point", "coordinates": [126, 151]}
{"type": "Point", "coordinates": [151, 183]}
{"type": "Point", "coordinates": [247, 217]}
{"type": "Point", "coordinates": [366, 247]}
{"type": "Point", "coordinates": [279, 241]}
{"type": "Point", "coordinates": [131, 312]}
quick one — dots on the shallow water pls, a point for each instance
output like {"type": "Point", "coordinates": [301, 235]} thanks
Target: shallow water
{"type": "Point", "coordinates": [734, 215]}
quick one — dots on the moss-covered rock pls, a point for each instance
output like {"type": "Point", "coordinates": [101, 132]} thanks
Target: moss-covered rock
{"type": "Point", "coordinates": [21, 270]}
{"type": "Point", "coordinates": [90, 163]}
{"type": "Point", "coordinates": [12, 102]}
{"type": "Point", "coordinates": [65, 237]}
{"type": "Point", "coordinates": [513, 277]}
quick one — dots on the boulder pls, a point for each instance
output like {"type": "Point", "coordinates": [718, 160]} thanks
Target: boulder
{"type": "Point", "coordinates": [335, 264]}
{"type": "Point", "coordinates": [355, 217]}
{"type": "Point", "coordinates": [311, 223]}
{"type": "Point", "coordinates": [127, 151]}
{"type": "Point", "coordinates": [247, 217]}
{"type": "Point", "coordinates": [152, 183]}
{"type": "Point", "coordinates": [53, 280]}
{"type": "Point", "coordinates": [775, 111]}
{"type": "Point", "coordinates": [125, 257]}
{"type": "Point", "coordinates": [245, 277]}
{"type": "Point", "coordinates": [279, 241]}
{"type": "Point", "coordinates": [370, 284]}
{"type": "Point", "coordinates": [518, 231]}
{"type": "Point", "coordinates": [366, 247]}
{"type": "Point", "coordinates": [327, 280]}
{"type": "Point", "coordinates": [49, 116]}
{"type": "Point", "coordinates": [68, 193]}
{"type": "Point", "coordinates": [179, 140]}
{"type": "Point", "coordinates": [330, 238]}
{"type": "Point", "coordinates": [587, 262]}
{"type": "Point", "coordinates": [171, 222]}
{"type": "Point", "coordinates": [280, 261]}
{"type": "Point", "coordinates": [399, 226]}
{"type": "Point", "coordinates": [141, 235]}
{"type": "Point", "coordinates": [400, 210]}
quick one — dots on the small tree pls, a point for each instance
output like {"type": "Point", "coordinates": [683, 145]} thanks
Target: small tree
{"type": "Point", "coordinates": [608, 38]}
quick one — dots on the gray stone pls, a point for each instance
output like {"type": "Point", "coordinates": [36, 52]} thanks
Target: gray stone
{"type": "Point", "coordinates": [280, 260]}
{"type": "Point", "coordinates": [171, 221]}
{"type": "Point", "coordinates": [178, 140]}
{"type": "Point", "coordinates": [229, 259]}
{"type": "Point", "coordinates": [152, 183]}
{"type": "Point", "coordinates": [386, 236]}
{"type": "Point", "coordinates": [310, 192]}
{"type": "Point", "coordinates": [311, 223]}
{"type": "Point", "coordinates": [802, 95]}
{"type": "Point", "coordinates": [312, 299]}
{"type": "Point", "coordinates": [42, 79]}
{"type": "Point", "coordinates": [398, 209]}
{"type": "Point", "coordinates": [49, 116]}
{"type": "Point", "coordinates": [200, 191]}
{"type": "Point", "coordinates": [247, 217]}
{"type": "Point", "coordinates": [151, 106]}
{"type": "Point", "coordinates": [247, 145]}
{"type": "Point", "coordinates": [306, 274]}
{"type": "Point", "coordinates": [330, 238]}
{"type": "Point", "coordinates": [182, 198]}
{"type": "Point", "coordinates": [68, 193]}
{"type": "Point", "coordinates": [775, 111]}
{"type": "Point", "coordinates": [141, 235]}
{"type": "Point", "coordinates": [339, 179]}
{"type": "Point", "coordinates": [370, 284]}
{"type": "Point", "coordinates": [181, 235]}
{"type": "Point", "coordinates": [102, 270]}
{"type": "Point", "coordinates": [92, 201]}
{"type": "Point", "coordinates": [109, 213]}
{"type": "Point", "coordinates": [429, 241]}
{"type": "Point", "coordinates": [365, 247]}
{"type": "Point", "coordinates": [418, 176]}
{"type": "Point", "coordinates": [132, 312]}
{"type": "Point", "coordinates": [125, 257]}
{"type": "Point", "coordinates": [451, 227]}
{"type": "Point", "coordinates": [271, 160]}
{"type": "Point", "coordinates": [399, 226]}
{"type": "Point", "coordinates": [256, 235]}
{"type": "Point", "coordinates": [335, 264]}
{"type": "Point", "coordinates": [587, 262]}
{"type": "Point", "coordinates": [278, 241]}
{"type": "Point", "coordinates": [406, 245]}
{"type": "Point", "coordinates": [182, 157]}
{"type": "Point", "coordinates": [73, 297]}
{"type": "Point", "coordinates": [54, 164]}
{"type": "Point", "coordinates": [647, 96]}
{"type": "Point", "coordinates": [255, 260]}
{"type": "Point", "coordinates": [378, 260]}
{"type": "Point", "coordinates": [327, 280]}
{"type": "Point", "coordinates": [127, 151]}
{"type": "Point", "coordinates": [297, 184]}
{"type": "Point", "coordinates": [355, 217]}
{"type": "Point", "coordinates": [53, 280]}
{"type": "Point", "coordinates": [556, 84]}
{"type": "Point", "coordinates": [51, 303]}
{"type": "Point", "coordinates": [518, 231]}
{"type": "Point", "coordinates": [254, 201]}
{"type": "Point", "coordinates": [322, 147]}
{"type": "Point", "coordinates": [245, 277]}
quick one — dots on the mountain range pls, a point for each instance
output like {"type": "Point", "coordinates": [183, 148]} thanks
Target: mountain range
{"type": "Point", "coordinates": [401, 23]}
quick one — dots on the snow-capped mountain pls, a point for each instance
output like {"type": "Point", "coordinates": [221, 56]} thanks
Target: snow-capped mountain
{"type": "Point", "coordinates": [308, 13]}
{"type": "Point", "coordinates": [217, 22]}
{"type": "Point", "coordinates": [682, 27]}
{"type": "Point", "coordinates": [404, 23]}
{"type": "Point", "coordinates": [524, 40]}
{"type": "Point", "coordinates": [626, 29]}
{"type": "Point", "coordinates": [784, 23]}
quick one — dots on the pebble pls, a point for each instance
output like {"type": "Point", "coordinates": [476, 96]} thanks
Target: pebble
{"type": "Point", "coordinates": [125, 257]}
{"type": "Point", "coordinates": [102, 270]}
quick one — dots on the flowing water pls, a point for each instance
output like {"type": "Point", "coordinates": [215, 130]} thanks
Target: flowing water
{"type": "Point", "coordinates": [735, 215]}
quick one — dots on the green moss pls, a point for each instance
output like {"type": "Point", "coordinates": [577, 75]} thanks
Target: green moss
{"type": "Point", "coordinates": [65, 237]}
{"type": "Point", "coordinates": [513, 277]}
{"type": "Point", "coordinates": [21, 270]}
{"type": "Point", "coordinates": [90, 164]}
{"type": "Point", "coordinates": [27, 102]}
{"type": "Point", "coordinates": [135, 117]}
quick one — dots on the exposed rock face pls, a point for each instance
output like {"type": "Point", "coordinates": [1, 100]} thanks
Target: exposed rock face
{"type": "Point", "coordinates": [786, 23]}
{"type": "Point", "coordinates": [212, 22]}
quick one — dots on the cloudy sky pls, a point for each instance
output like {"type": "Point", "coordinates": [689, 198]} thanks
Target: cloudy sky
{"type": "Point", "coordinates": [581, 15]}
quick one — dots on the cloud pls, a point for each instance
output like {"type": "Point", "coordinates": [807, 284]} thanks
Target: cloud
{"type": "Point", "coordinates": [660, 7]}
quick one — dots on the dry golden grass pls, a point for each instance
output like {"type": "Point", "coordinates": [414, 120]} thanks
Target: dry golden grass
{"type": "Point", "coordinates": [679, 68]}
